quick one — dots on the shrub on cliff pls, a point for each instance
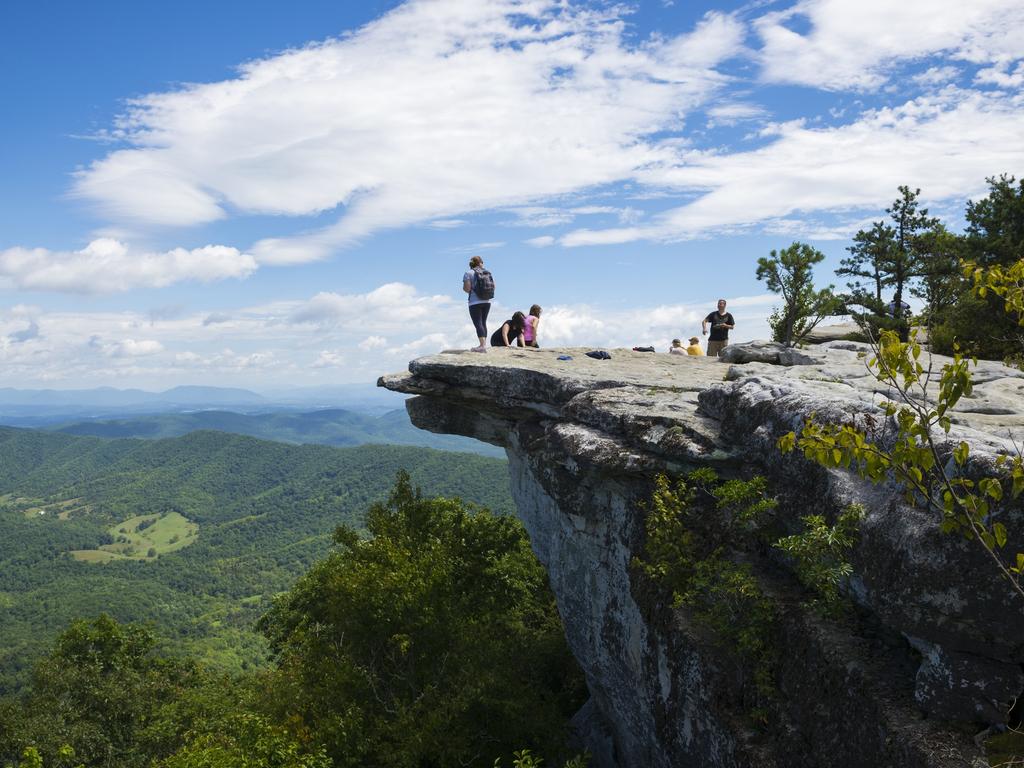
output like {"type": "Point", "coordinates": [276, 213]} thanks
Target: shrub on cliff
{"type": "Point", "coordinates": [910, 450]}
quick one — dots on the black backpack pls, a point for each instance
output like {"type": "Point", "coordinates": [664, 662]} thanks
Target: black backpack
{"type": "Point", "coordinates": [483, 284]}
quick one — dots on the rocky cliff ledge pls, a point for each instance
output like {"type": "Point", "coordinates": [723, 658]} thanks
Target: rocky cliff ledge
{"type": "Point", "coordinates": [932, 654]}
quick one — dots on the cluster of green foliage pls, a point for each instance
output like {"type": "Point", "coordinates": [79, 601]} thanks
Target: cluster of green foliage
{"type": "Point", "coordinates": [931, 471]}
{"type": "Point", "coordinates": [901, 256]}
{"type": "Point", "coordinates": [524, 758]}
{"type": "Point", "coordinates": [790, 273]}
{"type": "Point", "coordinates": [265, 512]}
{"type": "Point", "coordinates": [697, 531]}
{"type": "Point", "coordinates": [819, 553]}
{"type": "Point", "coordinates": [1006, 282]}
{"type": "Point", "coordinates": [700, 534]}
{"type": "Point", "coordinates": [980, 321]}
{"type": "Point", "coordinates": [432, 642]}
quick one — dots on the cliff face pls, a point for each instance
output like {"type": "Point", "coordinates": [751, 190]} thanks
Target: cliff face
{"type": "Point", "coordinates": [935, 649]}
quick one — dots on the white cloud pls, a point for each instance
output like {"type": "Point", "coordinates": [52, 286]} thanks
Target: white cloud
{"type": "Point", "coordinates": [328, 359]}
{"type": "Point", "coordinates": [540, 242]}
{"type": "Point", "coordinates": [373, 342]}
{"type": "Point", "coordinates": [934, 76]}
{"type": "Point", "coordinates": [591, 210]}
{"type": "Point", "coordinates": [441, 107]}
{"type": "Point", "coordinates": [1000, 76]}
{"type": "Point", "coordinates": [127, 347]}
{"type": "Point", "coordinates": [448, 223]}
{"type": "Point", "coordinates": [475, 247]}
{"type": "Point", "coordinates": [547, 216]}
{"type": "Point", "coordinates": [856, 45]}
{"type": "Point", "coordinates": [946, 143]}
{"type": "Point", "coordinates": [109, 266]}
{"type": "Point", "coordinates": [735, 112]}
{"type": "Point", "coordinates": [424, 345]}
{"type": "Point", "coordinates": [540, 216]}
{"type": "Point", "coordinates": [392, 306]}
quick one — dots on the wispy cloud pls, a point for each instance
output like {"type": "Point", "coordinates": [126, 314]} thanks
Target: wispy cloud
{"type": "Point", "coordinates": [858, 45]}
{"type": "Point", "coordinates": [946, 143]}
{"type": "Point", "coordinates": [526, 99]}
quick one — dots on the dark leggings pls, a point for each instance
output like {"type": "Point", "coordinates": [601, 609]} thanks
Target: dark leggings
{"type": "Point", "coordinates": [478, 314]}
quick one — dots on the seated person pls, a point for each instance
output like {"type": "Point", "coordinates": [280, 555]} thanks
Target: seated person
{"type": "Point", "coordinates": [676, 348]}
{"type": "Point", "coordinates": [511, 329]}
{"type": "Point", "coordinates": [694, 348]}
{"type": "Point", "coordinates": [531, 324]}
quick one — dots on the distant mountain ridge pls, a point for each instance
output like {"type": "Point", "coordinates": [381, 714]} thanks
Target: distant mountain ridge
{"type": "Point", "coordinates": [328, 426]}
{"type": "Point", "coordinates": [112, 397]}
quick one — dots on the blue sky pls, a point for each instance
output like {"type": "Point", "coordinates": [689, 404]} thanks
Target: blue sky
{"type": "Point", "coordinates": [253, 194]}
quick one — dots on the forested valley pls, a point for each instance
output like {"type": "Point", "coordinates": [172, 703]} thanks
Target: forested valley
{"type": "Point", "coordinates": [185, 601]}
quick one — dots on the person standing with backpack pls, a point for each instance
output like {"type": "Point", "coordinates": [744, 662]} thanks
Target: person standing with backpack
{"type": "Point", "coordinates": [479, 284]}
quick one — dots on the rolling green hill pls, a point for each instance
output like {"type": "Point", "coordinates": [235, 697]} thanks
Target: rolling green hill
{"type": "Point", "coordinates": [194, 534]}
{"type": "Point", "coordinates": [328, 426]}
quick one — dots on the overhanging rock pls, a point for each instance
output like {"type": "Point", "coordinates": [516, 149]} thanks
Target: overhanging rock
{"type": "Point", "coordinates": [936, 647]}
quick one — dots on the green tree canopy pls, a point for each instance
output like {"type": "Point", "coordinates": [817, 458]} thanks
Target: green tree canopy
{"type": "Point", "coordinates": [790, 273]}
{"type": "Point", "coordinates": [994, 240]}
{"type": "Point", "coordinates": [434, 642]}
{"type": "Point", "coordinates": [97, 692]}
{"type": "Point", "coordinates": [893, 256]}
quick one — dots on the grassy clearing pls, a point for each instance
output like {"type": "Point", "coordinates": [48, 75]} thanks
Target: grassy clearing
{"type": "Point", "coordinates": [144, 537]}
{"type": "Point", "coordinates": [96, 556]}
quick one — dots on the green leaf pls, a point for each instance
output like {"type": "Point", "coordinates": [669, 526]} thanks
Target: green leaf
{"type": "Point", "coordinates": [993, 488]}
{"type": "Point", "coordinates": [960, 453]}
{"type": "Point", "coordinates": [999, 530]}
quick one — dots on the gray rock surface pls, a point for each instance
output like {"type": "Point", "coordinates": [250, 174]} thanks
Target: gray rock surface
{"type": "Point", "coordinates": [937, 635]}
{"type": "Point", "coordinates": [770, 352]}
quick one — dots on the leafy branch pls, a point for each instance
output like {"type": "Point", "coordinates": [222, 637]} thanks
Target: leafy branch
{"type": "Point", "coordinates": [929, 472]}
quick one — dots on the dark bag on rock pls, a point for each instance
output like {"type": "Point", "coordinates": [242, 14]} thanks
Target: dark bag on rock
{"type": "Point", "coordinates": [483, 283]}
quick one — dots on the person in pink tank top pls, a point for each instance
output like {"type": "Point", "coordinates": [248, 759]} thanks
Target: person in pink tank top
{"type": "Point", "coordinates": [530, 327]}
